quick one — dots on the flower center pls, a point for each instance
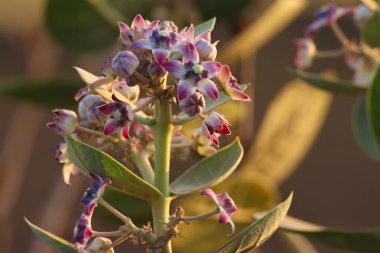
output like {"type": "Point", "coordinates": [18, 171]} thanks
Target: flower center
{"type": "Point", "coordinates": [198, 69]}
{"type": "Point", "coordinates": [117, 115]}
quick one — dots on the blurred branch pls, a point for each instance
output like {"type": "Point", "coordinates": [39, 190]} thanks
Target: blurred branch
{"type": "Point", "coordinates": [110, 14]}
{"type": "Point", "coordinates": [273, 21]}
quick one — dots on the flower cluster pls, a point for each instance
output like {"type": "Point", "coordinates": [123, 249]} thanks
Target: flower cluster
{"type": "Point", "coordinates": [357, 55]}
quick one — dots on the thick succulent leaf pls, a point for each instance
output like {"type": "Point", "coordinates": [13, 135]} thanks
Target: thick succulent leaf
{"type": "Point", "coordinates": [363, 132]}
{"type": "Point", "coordinates": [88, 158]}
{"type": "Point", "coordinates": [365, 241]}
{"type": "Point", "coordinates": [210, 170]}
{"type": "Point", "coordinates": [371, 32]}
{"type": "Point", "coordinates": [257, 233]}
{"type": "Point", "coordinates": [373, 106]}
{"type": "Point", "coordinates": [291, 124]}
{"type": "Point", "coordinates": [58, 244]}
{"type": "Point", "coordinates": [78, 26]}
{"type": "Point", "coordinates": [210, 105]}
{"type": "Point", "coordinates": [335, 86]}
{"type": "Point", "coordinates": [207, 25]}
{"type": "Point", "coordinates": [52, 93]}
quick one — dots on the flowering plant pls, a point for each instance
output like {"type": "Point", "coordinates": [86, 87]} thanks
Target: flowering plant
{"type": "Point", "coordinates": [160, 79]}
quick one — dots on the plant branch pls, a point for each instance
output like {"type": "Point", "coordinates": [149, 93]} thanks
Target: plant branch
{"type": "Point", "coordinates": [111, 209]}
{"type": "Point", "coordinates": [141, 160]}
{"type": "Point", "coordinates": [97, 133]}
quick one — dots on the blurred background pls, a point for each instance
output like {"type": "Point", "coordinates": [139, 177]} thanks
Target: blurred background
{"type": "Point", "coordinates": [296, 138]}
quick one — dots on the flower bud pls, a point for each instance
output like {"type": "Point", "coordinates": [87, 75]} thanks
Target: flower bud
{"type": "Point", "coordinates": [64, 123]}
{"type": "Point", "coordinates": [88, 109]}
{"type": "Point", "coordinates": [155, 70]}
{"type": "Point", "coordinates": [361, 15]}
{"type": "Point", "coordinates": [100, 245]}
{"type": "Point", "coordinates": [306, 51]}
{"type": "Point", "coordinates": [193, 105]}
{"type": "Point", "coordinates": [130, 92]}
{"type": "Point", "coordinates": [124, 63]}
{"type": "Point", "coordinates": [206, 50]}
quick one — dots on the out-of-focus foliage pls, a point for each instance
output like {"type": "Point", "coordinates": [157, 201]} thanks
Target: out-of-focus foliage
{"type": "Point", "coordinates": [373, 106]}
{"type": "Point", "coordinates": [371, 32]}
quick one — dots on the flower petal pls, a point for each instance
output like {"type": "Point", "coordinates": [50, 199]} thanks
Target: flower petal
{"type": "Point", "coordinates": [108, 109]}
{"type": "Point", "coordinates": [125, 131]}
{"type": "Point", "coordinates": [206, 35]}
{"type": "Point", "coordinates": [66, 172]}
{"type": "Point", "coordinates": [209, 193]}
{"type": "Point", "coordinates": [160, 55]}
{"type": "Point", "coordinates": [208, 88]}
{"type": "Point", "coordinates": [174, 67]}
{"type": "Point", "coordinates": [141, 44]}
{"type": "Point", "coordinates": [237, 94]}
{"type": "Point", "coordinates": [224, 76]}
{"type": "Point", "coordinates": [139, 22]}
{"type": "Point", "coordinates": [189, 34]}
{"type": "Point", "coordinates": [212, 67]}
{"type": "Point", "coordinates": [185, 89]}
{"type": "Point", "coordinates": [190, 53]}
{"type": "Point", "coordinates": [111, 127]}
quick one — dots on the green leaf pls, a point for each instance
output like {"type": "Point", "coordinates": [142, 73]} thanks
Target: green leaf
{"type": "Point", "coordinates": [364, 241]}
{"type": "Point", "coordinates": [332, 85]}
{"type": "Point", "coordinates": [371, 32]}
{"type": "Point", "coordinates": [210, 170]}
{"type": "Point", "coordinates": [363, 132]}
{"type": "Point", "coordinates": [58, 244]}
{"type": "Point", "coordinates": [210, 105]}
{"type": "Point", "coordinates": [257, 233]}
{"type": "Point", "coordinates": [78, 26]}
{"type": "Point", "coordinates": [51, 93]}
{"type": "Point", "coordinates": [208, 25]}
{"type": "Point", "coordinates": [373, 106]}
{"type": "Point", "coordinates": [88, 158]}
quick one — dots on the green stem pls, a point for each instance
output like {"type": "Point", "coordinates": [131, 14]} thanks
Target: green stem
{"type": "Point", "coordinates": [141, 160]}
{"type": "Point", "coordinates": [162, 131]}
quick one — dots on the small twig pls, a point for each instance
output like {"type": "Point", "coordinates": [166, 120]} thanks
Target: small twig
{"type": "Point", "coordinates": [143, 120]}
{"type": "Point", "coordinates": [110, 208]}
{"type": "Point", "coordinates": [97, 133]}
{"type": "Point", "coordinates": [330, 53]}
{"type": "Point", "coordinates": [343, 38]}
{"type": "Point", "coordinates": [201, 216]}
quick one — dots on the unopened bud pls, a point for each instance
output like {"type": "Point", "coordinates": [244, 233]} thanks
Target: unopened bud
{"type": "Point", "coordinates": [100, 245]}
{"type": "Point", "coordinates": [64, 123]}
{"type": "Point", "coordinates": [193, 105]}
{"type": "Point", "coordinates": [124, 63]}
{"type": "Point", "coordinates": [206, 50]}
{"type": "Point", "coordinates": [155, 70]}
{"type": "Point", "coordinates": [88, 109]}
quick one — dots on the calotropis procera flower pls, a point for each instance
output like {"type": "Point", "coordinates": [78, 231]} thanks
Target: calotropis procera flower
{"type": "Point", "coordinates": [363, 68]}
{"type": "Point", "coordinates": [88, 109]}
{"type": "Point", "coordinates": [213, 125]}
{"type": "Point", "coordinates": [193, 74]}
{"type": "Point", "coordinates": [83, 229]}
{"type": "Point", "coordinates": [120, 117]}
{"type": "Point", "coordinates": [65, 122]}
{"type": "Point", "coordinates": [230, 86]}
{"type": "Point", "coordinates": [225, 205]}
{"type": "Point", "coordinates": [95, 191]}
{"type": "Point", "coordinates": [193, 105]}
{"type": "Point", "coordinates": [326, 16]}
{"type": "Point", "coordinates": [306, 50]}
{"type": "Point", "coordinates": [206, 50]}
{"type": "Point", "coordinates": [161, 40]}
{"type": "Point", "coordinates": [128, 35]}
{"type": "Point", "coordinates": [68, 168]}
{"type": "Point", "coordinates": [124, 63]}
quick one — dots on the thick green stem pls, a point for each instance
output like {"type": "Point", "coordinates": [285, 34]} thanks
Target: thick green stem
{"type": "Point", "coordinates": [162, 130]}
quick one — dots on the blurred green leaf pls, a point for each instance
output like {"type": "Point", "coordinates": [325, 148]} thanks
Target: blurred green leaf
{"type": "Point", "coordinates": [291, 124]}
{"type": "Point", "coordinates": [224, 9]}
{"type": "Point", "coordinates": [363, 132]}
{"type": "Point", "coordinates": [88, 158]}
{"type": "Point", "coordinates": [210, 170]}
{"type": "Point", "coordinates": [364, 241]}
{"type": "Point", "coordinates": [78, 26]}
{"type": "Point", "coordinates": [207, 25]}
{"type": "Point", "coordinates": [257, 233]}
{"type": "Point", "coordinates": [371, 32]}
{"type": "Point", "coordinates": [373, 106]}
{"type": "Point", "coordinates": [335, 86]}
{"type": "Point", "coordinates": [58, 244]}
{"type": "Point", "coordinates": [52, 93]}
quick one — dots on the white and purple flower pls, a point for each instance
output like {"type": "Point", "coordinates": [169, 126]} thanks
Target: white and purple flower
{"type": "Point", "coordinates": [96, 190]}
{"type": "Point", "coordinates": [124, 63]}
{"type": "Point", "coordinates": [325, 16]}
{"type": "Point", "coordinates": [83, 229]}
{"type": "Point", "coordinates": [230, 85]}
{"type": "Point", "coordinates": [65, 122]}
{"type": "Point", "coordinates": [193, 74]}
{"type": "Point", "coordinates": [306, 50]}
{"type": "Point", "coordinates": [88, 109]}
{"type": "Point", "coordinates": [68, 168]}
{"type": "Point", "coordinates": [120, 117]}
{"type": "Point", "coordinates": [214, 125]}
{"type": "Point", "coordinates": [225, 205]}
{"type": "Point", "coordinates": [193, 105]}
